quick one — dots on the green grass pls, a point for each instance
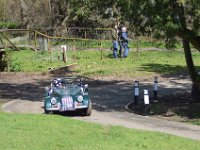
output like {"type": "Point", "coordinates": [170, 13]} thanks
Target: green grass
{"type": "Point", "coordinates": [8, 25]}
{"type": "Point", "coordinates": [144, 64]}
{"type": "Point", "coordinates": [30, 61]}
{"type": "Point", "coordinates": [38, 132]}
{"type": "Point", "coordinates": [101, 63]}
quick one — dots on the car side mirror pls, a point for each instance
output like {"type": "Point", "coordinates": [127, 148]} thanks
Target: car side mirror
{"type": "Point", "coordinates": [85, 86]}
{"type": "Point", "coordinates": [48, 91]}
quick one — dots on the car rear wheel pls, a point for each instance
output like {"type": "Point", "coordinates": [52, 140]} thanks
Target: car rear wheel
{"type": "Point", "coordinates": [88, 111]}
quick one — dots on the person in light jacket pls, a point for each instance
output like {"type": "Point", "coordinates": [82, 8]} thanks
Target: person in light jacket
{"type": "Point", "coordinates": [124, 41]}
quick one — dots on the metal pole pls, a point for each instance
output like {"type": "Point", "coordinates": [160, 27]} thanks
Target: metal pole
{"type": "Point", "coordinates": [155, 87]}
{"type": "Point", "coordinates": [136, 92]}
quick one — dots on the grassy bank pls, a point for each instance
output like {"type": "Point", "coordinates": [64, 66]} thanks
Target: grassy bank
{"type": "Point", "coordinates": [101, 63]}
{"type": "Point", "coordinates": [22, 132]}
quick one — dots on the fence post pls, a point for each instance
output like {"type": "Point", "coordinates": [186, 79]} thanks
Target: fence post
{"type": "Point", "coordinates": [137, 47]}
{"type": "Point", "coordinates": [48, 42]}
{"type": "Point", "coordinates": [101, 51]}
{"type": "Point", "coordinates": [64, 53]}
{"type": "Point", "coordinates": [35, 40]}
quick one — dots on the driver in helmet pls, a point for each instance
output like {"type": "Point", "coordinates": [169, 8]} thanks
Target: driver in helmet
{"type": "Point", "coordinates": [58, 83]}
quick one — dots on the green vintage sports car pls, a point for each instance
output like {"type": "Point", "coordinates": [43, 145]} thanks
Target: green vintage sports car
{"type": "Point", "coordinates": [67, 94]}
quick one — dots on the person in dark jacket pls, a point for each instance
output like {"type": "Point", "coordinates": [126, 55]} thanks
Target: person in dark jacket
{"type": "Point", "coordinates": [115, 40]}
{"type": "Point", "coordinates": [119, 40]}
{"type": "Point", "coordinates": [124, 41]}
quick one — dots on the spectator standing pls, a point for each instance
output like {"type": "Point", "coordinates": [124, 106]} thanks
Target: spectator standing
{"type": "Point", "coordinates": [124, 41]}
{"type": "Point", "coordinates": [119, 40]}
{"type": "Point", "coordinates": [115, 40]}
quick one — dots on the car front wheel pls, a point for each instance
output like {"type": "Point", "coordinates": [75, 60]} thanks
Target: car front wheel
{"type": "Point", "coordinates": [88, 111]}
{"type": "Point", "coordinates": [48, 112]}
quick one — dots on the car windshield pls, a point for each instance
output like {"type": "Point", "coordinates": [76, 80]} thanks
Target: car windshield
{"type": "Point", "coordinates": [68, 90]}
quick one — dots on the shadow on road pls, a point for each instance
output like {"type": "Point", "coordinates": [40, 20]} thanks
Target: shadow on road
{"type": "Point", "coordinates": [105, 95]}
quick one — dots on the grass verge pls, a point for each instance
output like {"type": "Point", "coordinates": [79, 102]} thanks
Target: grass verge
{"type": "Point", "coordinates": [27, 131]}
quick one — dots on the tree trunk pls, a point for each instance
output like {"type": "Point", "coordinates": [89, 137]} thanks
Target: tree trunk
{"type": "Point", "coordinates": [188, 37]}
{"type": "Point", "coordinates": [24, 17]}
{"type": "Point", "coordinates": [189, 61]}
{"type": "Point", "coordinates": [59, 15]}
{"type": "Point", "coordinates": [191, 37]}
{"type": "Point", "coordinates": [195, 92]}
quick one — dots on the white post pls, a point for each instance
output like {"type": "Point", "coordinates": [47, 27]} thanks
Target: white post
{"type": "Point", "coordinates": [146, 97]}
{"type": "Point", "coordinates": [64, 52]}
{"type": "Point", "coordinates": [146, 102]}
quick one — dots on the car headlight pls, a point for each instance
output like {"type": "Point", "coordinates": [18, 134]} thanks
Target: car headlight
{"type": "Point", "coordinates": [80, 98]}
{"type": "Point", "coordinates": [53, 101]}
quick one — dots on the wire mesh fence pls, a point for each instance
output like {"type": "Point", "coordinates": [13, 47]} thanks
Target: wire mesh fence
{"type": "Point", "coordinates": [74, 38]}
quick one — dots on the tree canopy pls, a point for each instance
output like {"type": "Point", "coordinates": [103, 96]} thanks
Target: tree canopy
{"type": "Point", "coordinates": [163, 19]}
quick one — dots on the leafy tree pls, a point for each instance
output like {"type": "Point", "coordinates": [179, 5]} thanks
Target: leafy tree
{"type": "Point", "coordinates": [164, 19]}
{"type": "Point", "coordinates": [168, 19]}
{"type": "Point", "coordinates": [2, 5]}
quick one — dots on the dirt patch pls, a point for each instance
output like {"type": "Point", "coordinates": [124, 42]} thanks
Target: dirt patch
{"type": "Point", "coordinates": [177, 107]}
{"type": "Point", "coordinates": [3, 101]}
{"type": "Point", "coordinates": [174, 107]}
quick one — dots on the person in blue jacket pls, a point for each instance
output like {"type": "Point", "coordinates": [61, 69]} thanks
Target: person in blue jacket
{"type": "Point", "coordinates": [124, 41]}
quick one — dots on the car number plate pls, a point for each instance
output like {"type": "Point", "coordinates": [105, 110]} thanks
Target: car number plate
{"type": "Point", "coordinates": [67, 103]}
{"type": "Point", "coordinates": [55, 106]}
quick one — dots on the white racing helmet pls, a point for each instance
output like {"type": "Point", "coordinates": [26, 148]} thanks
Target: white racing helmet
{"type": "Point", "coordinates": [123, 29]}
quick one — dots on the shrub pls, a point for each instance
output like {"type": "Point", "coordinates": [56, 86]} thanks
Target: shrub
{"type": "Point", "coordinates": [9, 25]}
{"type": "Point", "coordinates": [15, 67]}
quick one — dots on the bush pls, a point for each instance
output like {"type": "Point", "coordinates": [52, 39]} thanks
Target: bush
{"type": "Point", "coordinates": [15, 67]}
{"type": "Point", "coordinates": [8, 25]}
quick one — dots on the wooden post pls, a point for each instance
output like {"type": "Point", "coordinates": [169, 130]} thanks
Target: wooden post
{"type": "Point", "coordinates": [35, 40]}
{"type": "Point", "coordinates": [10, 42]}
{"type": "Point", "coordinates": [101, 51]}
{"type": "Point", "coordinates": [4, 33]}
{"type": "Point", "coordinates": [137, 46]}
{"type": "Point", "coordinates": [1, 40]}
{"type": "Point", "coordinates": [64, 53]}
{"type": "Point", "coordinates": [85, 37]}
{"type": "Point", "coordinates": [48, 42]}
